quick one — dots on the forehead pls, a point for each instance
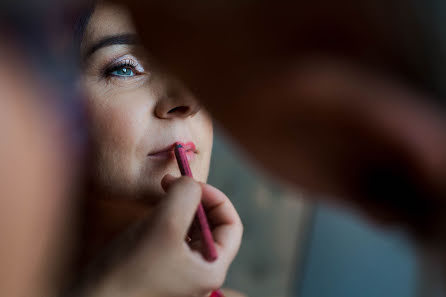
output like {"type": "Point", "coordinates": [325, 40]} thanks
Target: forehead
{"type": "Point", "coordinates": [107, 20]}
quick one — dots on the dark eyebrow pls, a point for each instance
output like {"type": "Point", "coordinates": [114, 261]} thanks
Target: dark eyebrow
{"type": "Point", "coordinates": [111, 40]}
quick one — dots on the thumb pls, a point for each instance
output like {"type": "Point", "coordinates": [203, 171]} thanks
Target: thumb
{"type": "Point", "coordinates": [176, 211]}
{"type": "Point", "coordinates": [167, 181]}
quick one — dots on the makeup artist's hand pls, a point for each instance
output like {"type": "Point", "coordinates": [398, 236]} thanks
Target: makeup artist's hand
{"type": "Point", "coordinates": [304, 87]}
{"type": "Point", "coordinates": [154, 259]}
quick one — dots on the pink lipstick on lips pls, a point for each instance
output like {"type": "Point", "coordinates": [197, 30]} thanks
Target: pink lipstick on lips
{"type": "Point", "coordinates": [189, 149]}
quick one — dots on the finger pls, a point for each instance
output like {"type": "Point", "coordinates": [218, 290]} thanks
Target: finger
{"type": "Point", "coordinates": [219, 208]}
{"type": "Point", "coordinates": [228, 228]}
{"type": "Point", "coordinates": [167, 181]}
{"type": "Point", "coordinates": [177, 210]}
{"type": "Point", "coordinates": [194, 233]}
{"type": "Point", "coordinates": [227, 240]}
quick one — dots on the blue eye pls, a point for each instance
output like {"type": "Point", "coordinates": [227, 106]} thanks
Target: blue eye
{"type": "Point", "coordinates": [123, 71]}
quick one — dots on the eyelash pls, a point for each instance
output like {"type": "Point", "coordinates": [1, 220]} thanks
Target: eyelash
{"type": "Point", "coordinates": [124, 63]}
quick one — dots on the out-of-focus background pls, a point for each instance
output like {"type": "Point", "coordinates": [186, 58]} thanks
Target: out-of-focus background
{"type": "Point", "coordinates": [293, 249]}
{"type": "Point", "coordinates": [274, 225]}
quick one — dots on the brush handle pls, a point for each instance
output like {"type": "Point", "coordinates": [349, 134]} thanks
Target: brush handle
{"type": "Point", "coordinates": [209, 251]}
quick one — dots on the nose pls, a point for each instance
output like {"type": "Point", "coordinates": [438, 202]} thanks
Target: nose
{"type": "Point", "coordinates": [176, 102]}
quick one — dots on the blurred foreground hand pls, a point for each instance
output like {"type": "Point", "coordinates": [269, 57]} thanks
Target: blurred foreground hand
{"type": "Point", "coordinates": [316, 92]}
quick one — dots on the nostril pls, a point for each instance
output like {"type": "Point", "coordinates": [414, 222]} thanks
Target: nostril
{"type": "Point", "coordinates": [179, 109]}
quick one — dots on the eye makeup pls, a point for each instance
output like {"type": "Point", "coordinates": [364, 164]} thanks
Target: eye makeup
{"type": "Point", "coordinates": [126, 66]}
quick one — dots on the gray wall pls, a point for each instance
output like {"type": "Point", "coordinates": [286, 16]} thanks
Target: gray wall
{"type": "Point", "coordinates": [347, 257]}
{"type": "Point", "coordinates": [273, 224]}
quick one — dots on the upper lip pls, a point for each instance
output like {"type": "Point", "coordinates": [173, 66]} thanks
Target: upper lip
{"type": "Point", "coordinates": [189, 146]}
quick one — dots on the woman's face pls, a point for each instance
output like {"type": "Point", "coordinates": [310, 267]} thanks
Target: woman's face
{"type": "Point", "coordinates": [137, 111]}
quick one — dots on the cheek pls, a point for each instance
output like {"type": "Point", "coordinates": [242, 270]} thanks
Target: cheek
{"type": "Point", "coordinates": [118, 121]}
{"type": "Point", "coordinates": [208, 131]}
{"type": "Point", "coordinates": [203, 131]}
